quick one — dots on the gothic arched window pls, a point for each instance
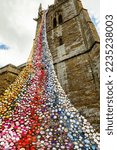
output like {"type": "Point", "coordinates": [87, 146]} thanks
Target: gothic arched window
{"type": "Point", "coordinates": [60, 41]}
{"type": "Point", "coordinates": [60, 19]}
{"type": "Point", "coordinates": [54, 22]}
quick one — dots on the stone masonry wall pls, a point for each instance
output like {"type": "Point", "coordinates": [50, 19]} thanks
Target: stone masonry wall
{"type": "Point", "coordinates": [77, 59]}
{"type": "Point", "coordinates": [8, 75]}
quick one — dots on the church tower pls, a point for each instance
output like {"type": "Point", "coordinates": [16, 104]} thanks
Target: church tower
{"type": "Point", "coordinates": [74, 44]}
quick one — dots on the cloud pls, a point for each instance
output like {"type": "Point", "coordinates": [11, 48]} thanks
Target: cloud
{"type": "Point", "coordinates": [93, 6]}
{"type": "Point", "coordinates": [17, 28]}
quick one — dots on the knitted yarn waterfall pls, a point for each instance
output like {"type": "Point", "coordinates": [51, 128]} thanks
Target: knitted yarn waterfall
{"type": "Point", "coordinates": [36, 114]}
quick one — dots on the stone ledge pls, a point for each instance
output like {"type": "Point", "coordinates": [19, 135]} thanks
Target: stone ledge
{"type": "Point", "coordinates": [73, 54]}
{"type": "Point", "coordinates": [10, 68]}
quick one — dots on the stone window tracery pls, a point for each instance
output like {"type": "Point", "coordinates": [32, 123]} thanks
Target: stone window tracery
{"type": "Point", "coordinates": [54, 22]}
{"type": "Point", "coordinates": [60, 41]}
{"type": "Point", "coordinates": [60, 19]}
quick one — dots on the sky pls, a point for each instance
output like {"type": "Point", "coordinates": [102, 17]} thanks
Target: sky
{"type": "Point", "coordinates": [17, 27]}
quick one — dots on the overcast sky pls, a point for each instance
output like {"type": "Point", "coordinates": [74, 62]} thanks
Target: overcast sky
{"type": "Point", "coordinates": [17, 28]}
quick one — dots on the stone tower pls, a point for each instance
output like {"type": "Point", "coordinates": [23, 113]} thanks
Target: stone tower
{"type": "Point", "coordinates": [74, 44]}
